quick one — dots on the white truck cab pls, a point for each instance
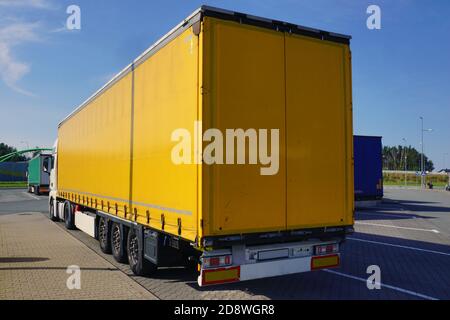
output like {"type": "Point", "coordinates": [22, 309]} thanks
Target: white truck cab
{"type": "Point", "coordinates": [54, 211]}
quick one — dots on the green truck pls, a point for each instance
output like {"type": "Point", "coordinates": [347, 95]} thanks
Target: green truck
{"type": "Point", "coordinates": [38, 174]}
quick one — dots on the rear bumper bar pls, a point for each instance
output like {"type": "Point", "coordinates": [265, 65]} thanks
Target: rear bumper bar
{"type": "Point", "coordinates": [282, 236]}
{"type": "Point", "coordinates": [267, 269]}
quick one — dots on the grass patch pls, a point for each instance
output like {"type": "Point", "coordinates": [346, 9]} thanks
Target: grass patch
{"type": "Point", "coordinates": [398, 179]}
{"type": "Point", "coordinates": [402, 184]}
{"type": "Point", "coordinates": [9, 184]}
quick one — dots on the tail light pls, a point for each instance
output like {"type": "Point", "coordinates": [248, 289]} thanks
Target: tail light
{"type": "Point", "coordinates": [217, 261]}
{"type": "Point", "coordinates": [326, 249]}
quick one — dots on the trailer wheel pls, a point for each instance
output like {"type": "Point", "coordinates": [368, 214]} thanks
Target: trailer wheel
{"type": "Point", "coordinates": [191, 265]}
{"type": "Point", "coordinates": [36, 190]}
{"type": "Point", "coordinates": [51, 213]}
{"type": "Point", "coordinates": [104, 235]}
{"type": "Point", "coordinates": [69, 218]}
{"type": "Point", "coordinates": [118, 243]}
{"type": "Point", "coordinates": [138, 264]}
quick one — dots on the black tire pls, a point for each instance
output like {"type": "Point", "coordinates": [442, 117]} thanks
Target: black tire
{"type": "Point", "coordinates": [138, 264]}
{"type": "Point", "coordinates": [118, 243]}
{"type": "Point", "coordinates": [69, 218]}
{"type": "Point", "coordinates": [104, 235]}
{"type": "Point", "coordinates": [36, 190]}
{"type": "Point", "coordinates": [190, 265]}
{"type": "Point", "coordinates": [51, 211]}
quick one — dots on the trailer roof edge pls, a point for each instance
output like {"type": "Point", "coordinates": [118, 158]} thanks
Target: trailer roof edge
{"type": "Point", "coordinates": [223, 13]}
{"type": "Point", "coordinates": [197, 15]}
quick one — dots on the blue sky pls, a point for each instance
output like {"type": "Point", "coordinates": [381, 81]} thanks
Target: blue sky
{"type": "Point", "coordinates": [400, 72]}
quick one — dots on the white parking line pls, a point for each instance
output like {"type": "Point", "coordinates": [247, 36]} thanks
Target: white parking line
{"type": "Point", "coordinates": [30, 195]}
{"type": "Point", "coordinates": [396, 227]}
{"type": "Point", "coordinates": [423, 296]}
{"type": "Point", "coordinates": [399, 246]}
{"type": "Point", "coordinates": [387, 215]}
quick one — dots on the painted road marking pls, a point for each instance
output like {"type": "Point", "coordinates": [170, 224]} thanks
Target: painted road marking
{"type": "Point", "coordinates": [423, 296]}
{"type": "Point", "coordinates": [397, 227]}
{"type": "Point", "coordinates": [388, 215]}
{"type": "Point", "coordinates": [30, 195]}
{"type": "Point", "coordinates": [399, 246]}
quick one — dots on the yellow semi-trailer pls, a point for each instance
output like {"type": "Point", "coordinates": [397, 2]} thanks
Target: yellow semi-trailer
{"type": "Point", "coordinates": [121, 176]}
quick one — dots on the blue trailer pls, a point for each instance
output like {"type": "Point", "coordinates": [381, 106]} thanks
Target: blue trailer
{"type": "Point", "coordinates": [368, 168]}
{"type": "Point", "coordinates": [13, 171]}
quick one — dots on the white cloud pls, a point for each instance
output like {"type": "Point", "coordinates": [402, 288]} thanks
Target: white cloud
{"type": "Point", "coordinates": [42, 4]}
{"type": "Point", "coordinates": [14, 33]}
{"type": "Point", "coordinates": [12, 70]}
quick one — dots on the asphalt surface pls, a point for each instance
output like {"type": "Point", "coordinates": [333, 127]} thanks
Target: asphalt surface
{"type": "Point", "coordinates": [20, 201]}
{"type": "Point", "coordinates": [407, 237]}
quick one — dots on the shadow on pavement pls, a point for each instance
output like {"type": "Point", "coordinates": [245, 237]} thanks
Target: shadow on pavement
{"type": "Point", "coordinates": [58, 268]}
{"type": "Point", "coordinates": [383, 215]}
{"type": "Point", "coordinates": [414, 266]}
{"type": "Point", "coordinates": [399, 210]}
{"type": "Point", "coordinates": [175, 274]}
{"type": "Point", "coordinates": [397, 241]}
{"type": "Point", "coordinates": [22, 259]}
{"type": "Point", "coordinates": [413, 205]}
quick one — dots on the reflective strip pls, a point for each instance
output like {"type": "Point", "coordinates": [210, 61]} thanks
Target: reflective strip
{"type": "Point", "coordinates": [222, 275]}
{"type": "Point", "coordinates": [148, 205]}
{"type": "Point", "coordinates": [324, 262]}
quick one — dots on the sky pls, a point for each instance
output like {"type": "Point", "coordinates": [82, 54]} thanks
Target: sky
{"type": "Point", "coordinates": [400, 72]}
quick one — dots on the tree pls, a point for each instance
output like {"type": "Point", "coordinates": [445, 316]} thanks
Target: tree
{"type": "Point", "coordinates": [394, 159]}
{"type": "Point", "coordinates": [5, 149]}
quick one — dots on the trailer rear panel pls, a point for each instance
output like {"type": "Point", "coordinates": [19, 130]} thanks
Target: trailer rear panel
{"type": "Point", "coordinates": [266, 79]}
{"type": "Point", "coordinates": [244, 75]}
{"type": "Point", "coordinates": [319, 133]}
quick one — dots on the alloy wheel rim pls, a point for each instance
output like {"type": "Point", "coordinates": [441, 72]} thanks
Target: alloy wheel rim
{"type": "Point", "coordinates": [102, 231]}
{"type": "Point", "coordinates": [134, 248]}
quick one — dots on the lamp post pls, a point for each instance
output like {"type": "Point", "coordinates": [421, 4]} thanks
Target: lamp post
{"type": "Point", "coordinates": [422, 166]}
{"type": "Point", "coordinates": [406, 157]}
{"type": "Point", "coordinates": [444, 164]}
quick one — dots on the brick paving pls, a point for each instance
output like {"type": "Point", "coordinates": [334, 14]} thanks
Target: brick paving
{"type": "Point", "coordinates": [407, 270]}
{"type": "Point", "coordinates": [35, 254]}
{"type": "Point", "coordinates": [175, 283]}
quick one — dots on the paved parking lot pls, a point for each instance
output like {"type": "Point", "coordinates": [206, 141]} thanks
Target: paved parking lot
{"type": "Point", "coordinates": [407, 237]}
{"type": "Point", "coordinates": [35, 255]}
